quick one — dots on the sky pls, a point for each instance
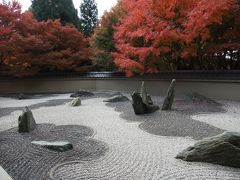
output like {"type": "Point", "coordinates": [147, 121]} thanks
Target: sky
{"type": "Point", "coordinates": [102, 5]}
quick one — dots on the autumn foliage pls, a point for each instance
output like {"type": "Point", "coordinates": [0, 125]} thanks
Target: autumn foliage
{"type": "Point", "coordinates": [28, 46]}
{"type": "Point", "coordinates": [157, 35]}
{"type": "Point", "coordinates": [138, 35]}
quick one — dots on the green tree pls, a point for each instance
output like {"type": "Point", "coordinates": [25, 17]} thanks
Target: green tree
{"type": "Point", "coordinates": [89, 16]}
{"type": "Point", "coordinates": [102, 40]}
{"type": "Point", "coordinates": [55, 9]}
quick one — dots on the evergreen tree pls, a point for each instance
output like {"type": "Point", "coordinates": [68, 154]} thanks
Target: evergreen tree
{"type": "Point", "coordinates": [89, 16]}
{"type": "Point", "coordinates": [102, 39]}
{"type": "Point", "coordinates": [55, 9]}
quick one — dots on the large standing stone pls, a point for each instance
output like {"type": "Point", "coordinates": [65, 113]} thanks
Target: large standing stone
{"type": "Point", "coordinates": [146, 98]}
{"type": "Point", "coordinates": [141, 107]}
{"type": "Point", "coordinates": [81, 93]}
{"type": "Point", "coordinates": [223, 149]}
{"type": "Point", "coordinates": [59, 146]}
{"type": "Point", "coordinates": [143, 92]}
{"type": "Point", "coordinates": [26, 121]}
{"type": "Point", "coordinates": [117, 98]}
{"type": "Point", "coordinates": [75, 102]}
{"type": "Point", "coordinates": [168, 101]}
{"type": "Point", "coordinates": [137, 103]}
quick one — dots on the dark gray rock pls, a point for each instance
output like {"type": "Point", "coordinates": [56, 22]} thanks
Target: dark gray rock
{"type": "Point", "coordinates": [59, 146]}
{"type": "Point", "coordinates": [22, 96]}
{"type": "Point", "coordinates": [117, 98]}
{"type": "Point", "coordinates": [168, 101]}
{"type": "Point", "coordinates": [26, 121]}
{"type": "Point", "coordinates": [81, 93]}
{"type": "Point", "coordinates": [75, 102]}
{"type": "Point", "coordinates": [137, 103]}
{"type": "Point", "coordinates": [223, 149]}
{"type": "Point", "coordinates": [141, 107]}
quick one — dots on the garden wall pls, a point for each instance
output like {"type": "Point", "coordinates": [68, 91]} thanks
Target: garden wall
{"type": "Point", "coordinates": [212, 86]}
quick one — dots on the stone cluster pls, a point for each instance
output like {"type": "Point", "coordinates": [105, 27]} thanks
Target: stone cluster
{"type": "Point", "coordinates": [142, 102]}
{"type": "Point", "coordinates": [27, 123]}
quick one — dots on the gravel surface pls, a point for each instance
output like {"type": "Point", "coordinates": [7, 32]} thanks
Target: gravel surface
{"type": "Point", "coordinates": [128, 152]}
{"type": "Point", "coordinates": [177, 122]}
{"type": "Point", "coordinates": [23, 160]}
{"type": "Point", "coordinates": [49, 103]}
{"type": "Point", "coordinates": [229, 120]}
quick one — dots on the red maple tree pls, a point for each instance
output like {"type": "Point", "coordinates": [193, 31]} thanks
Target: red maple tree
{"type": "Point", "coordinates": [162, 34]}
{"type": "Point", "coordinates": [44, 46]}
{"type": "Point", "coordinates": [9, 14]}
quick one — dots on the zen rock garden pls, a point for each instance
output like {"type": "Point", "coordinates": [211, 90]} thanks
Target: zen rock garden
{"type": "Point", "coordinates": [26, 123]}
{"type": "Point", "coordinates": [68, 144]}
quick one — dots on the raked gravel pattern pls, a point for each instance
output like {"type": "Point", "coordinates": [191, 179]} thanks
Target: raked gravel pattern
{"type": "Point", "coordinates": [132, 153]}
{"type": "Point", "coordinates": [177, 122]}
{"type": "Point", "coordinates": [24, 160]}
{"type": "Point", "coordinates": [230, 120]}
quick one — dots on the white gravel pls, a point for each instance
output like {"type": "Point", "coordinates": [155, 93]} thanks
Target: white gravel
{"type": "Point", "coordinates": [229, 120]}
{"type": "Point", "coordinates": [10, 102]}
{"type": "Point", "coordinates": [133, 154]}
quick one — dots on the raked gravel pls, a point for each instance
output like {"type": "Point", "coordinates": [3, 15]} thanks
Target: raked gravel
{"type": "Point", "coordinates": [133, 153]}
{"type": "Point", "coordinates": [229, 120]}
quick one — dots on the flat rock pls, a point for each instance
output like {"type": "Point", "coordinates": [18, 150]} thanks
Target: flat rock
{"type": "Point", "coordinates": [26, 121]}
{"type": "Point", "coordinates": [223, 149]}
{"type": "Point", "coordinates": [59, 146]}
{"type": "Point", "coordinates": [75, 102]}
{"type": "Point", "coordinates": [22, 96]}
{"type": "Point", "coordinates": [82, 93]}
{"type": "Point", "coordinates": [117, 98]}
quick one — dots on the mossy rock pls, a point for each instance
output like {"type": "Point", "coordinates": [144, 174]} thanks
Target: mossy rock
{"type": "Point", "coordinates": [223, 149]}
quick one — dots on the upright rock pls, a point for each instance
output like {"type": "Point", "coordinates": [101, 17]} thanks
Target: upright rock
{"type": "Point", "coordinates": [146, 98]}
{"type": "Point", "coordinates": [75, 102]}
{"type": "Point", "coordinates": [141, 107]}
{"type": "Point", "coordinates": [143, 92]}
{"type": "Point", "coordinates": [223, 149]}
{"type": "Point", "coordinates": [26, 121]}
{"type": "Point", "coordinates": [138, 105]}
{"type": "Point", "coordinates": [168, 101]}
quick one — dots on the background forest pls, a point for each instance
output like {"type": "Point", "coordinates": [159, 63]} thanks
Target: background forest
{"type": "Point", "coordinates": [137, 36]}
